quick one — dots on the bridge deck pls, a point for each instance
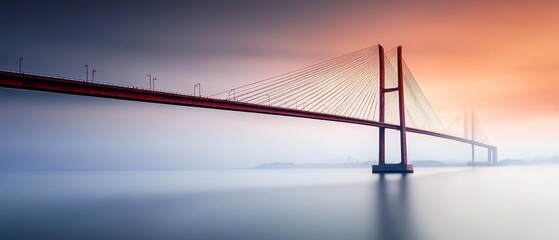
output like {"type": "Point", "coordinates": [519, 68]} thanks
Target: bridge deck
{"type": "Point", "coordinates": [59, 85]}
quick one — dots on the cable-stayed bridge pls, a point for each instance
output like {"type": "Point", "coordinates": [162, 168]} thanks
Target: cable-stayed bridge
{"type": "Point", "coordinates": [366, 87]}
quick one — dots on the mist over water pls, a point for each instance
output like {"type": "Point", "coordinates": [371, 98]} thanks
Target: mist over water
{"type": "Point", "coordinates": [433, 203]}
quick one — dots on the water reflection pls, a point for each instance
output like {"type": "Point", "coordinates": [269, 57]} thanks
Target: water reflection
{"type": "Point", "coordinates": [394, 212]}
{"type": "Point", "coordinates": [281, 204]}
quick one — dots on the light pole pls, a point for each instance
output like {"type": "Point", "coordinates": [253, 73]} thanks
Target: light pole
{"type": "Point", "coordinates": [149, 75]}
{"type": "Point", "coordinates": [154, 83]}
{"type": "Point", "coordinates": [232, 94]}
{"type": "Point", "coordinates": [199, 89]}
{"type": "Point", "coordinates": [93, 75]}
{"type": "Point", "coordinates": [86, 72]}
{"type": "Point", "coordinates": [20, 61]}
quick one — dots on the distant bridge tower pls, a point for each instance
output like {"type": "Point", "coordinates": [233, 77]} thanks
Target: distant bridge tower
{"type": "Point", "coordinates": [403, 166]}
{"type": "Point", "coordinates": [491, 151]}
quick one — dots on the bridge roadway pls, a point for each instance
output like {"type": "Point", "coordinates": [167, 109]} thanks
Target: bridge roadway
{"type": "Point", "coordinates": [76, 87]}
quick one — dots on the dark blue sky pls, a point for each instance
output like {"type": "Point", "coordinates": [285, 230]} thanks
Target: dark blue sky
{"type": "Point", "coordinates": [184, 42]}
{"type": "Point", "coordinates": [58, 37]}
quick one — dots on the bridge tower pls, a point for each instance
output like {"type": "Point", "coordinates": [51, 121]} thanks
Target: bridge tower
{"type": "Point", "coordinates": [491, 150]}
{"type": "Point", "coordinates": [473, 163]}
{"type": "Point", "coordinates": [403, 166]}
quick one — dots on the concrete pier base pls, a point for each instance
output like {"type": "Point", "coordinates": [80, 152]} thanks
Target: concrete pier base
{"type": "Point", "coordinates": [393, 168]}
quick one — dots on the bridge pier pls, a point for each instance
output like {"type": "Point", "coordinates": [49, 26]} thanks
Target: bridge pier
{"type": "Point", "coordinates": [495, 159]}
{"type": "Point", "coordinates": [491, 150]}
{"type": "Point", "coordinates": [473, 139]}
{"type": "Point", "coordinates": [491, 158]}
{"type": "Point", "coordinates": [403, 166]}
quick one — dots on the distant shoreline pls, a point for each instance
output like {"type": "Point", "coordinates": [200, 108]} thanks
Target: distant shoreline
{"type": "Point", "coordinates": [420, 163]}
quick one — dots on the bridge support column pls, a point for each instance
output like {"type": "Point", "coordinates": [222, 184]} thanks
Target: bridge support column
{"type": "Point", "coordinates": [473, 139]}
{"type": "Point", "coordinates": [381, 133]}
{"type": "Point", "coordinates": [489, 156]}
{"type": "Point", "coordinates": [473, 162]}
{"type": "Point", "coordinates": [494, 158]}
{"type": "Point", "coordinates": [403, 166]}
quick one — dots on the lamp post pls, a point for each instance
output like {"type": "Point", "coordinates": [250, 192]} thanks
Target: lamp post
{"type": "Point", "coordinates": [154, 83]}
{"type": "Point", "coordinates": [86, 72]}
{"type": "Point", "coordinates": [199, 89]}
{"type": "Point", "coordinates": [149, 75]}
{"type": "Point", "coordinates": [232, 94]}
{"type": "Point", "coordinates": [93, 75]}
{"type": "Point", "coordinates": [20, 61]}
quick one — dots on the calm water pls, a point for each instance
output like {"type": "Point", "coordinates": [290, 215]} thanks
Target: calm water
{"type": "Point", "coordinates": [444, 203]}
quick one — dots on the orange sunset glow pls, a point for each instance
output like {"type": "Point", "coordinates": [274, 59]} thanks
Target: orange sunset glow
{"type": "Point", "coordinates": [499, 58]}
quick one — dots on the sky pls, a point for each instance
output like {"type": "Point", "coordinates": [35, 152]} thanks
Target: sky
{"type": "Point", "coordinates": [499, 58]}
